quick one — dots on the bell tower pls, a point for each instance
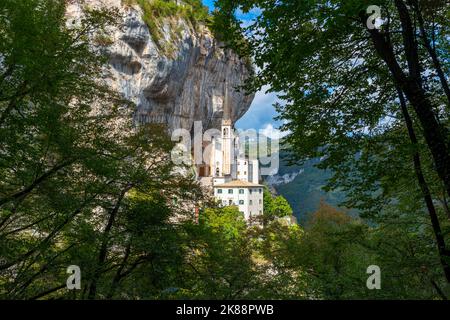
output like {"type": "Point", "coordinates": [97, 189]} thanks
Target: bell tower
{"type": "Point", "coordinates": [227, 135]}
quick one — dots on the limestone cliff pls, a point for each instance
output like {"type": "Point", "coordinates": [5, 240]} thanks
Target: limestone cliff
{"type": "Point", "coordinates": [178, 87]}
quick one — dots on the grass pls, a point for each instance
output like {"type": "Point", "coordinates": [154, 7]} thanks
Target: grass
{"type": "Point", "coordinates": [103, 40]}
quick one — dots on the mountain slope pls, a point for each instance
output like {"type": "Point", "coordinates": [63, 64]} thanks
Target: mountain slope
{"type": "Point", "coordinates": [302, 187]}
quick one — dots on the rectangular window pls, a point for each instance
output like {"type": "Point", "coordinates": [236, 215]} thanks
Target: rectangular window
{"type": "Point", "coordinates": [251, 202]}
{"type": "Point", "coordinates": [241, 201]}
{"type": "Point", "coordinates": [260, 201]}
{"type": "Point", "coordinates": [230, 191]}
{"type": "Point", "coordinates": [260, 190]}
{"type": "Point", "coordinates": [219, 190]}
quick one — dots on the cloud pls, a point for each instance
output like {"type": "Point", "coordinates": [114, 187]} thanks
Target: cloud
{"type": "Point", "coordinates": [273, 133]}
{"type": "Point", "coordinates": [261, 112]}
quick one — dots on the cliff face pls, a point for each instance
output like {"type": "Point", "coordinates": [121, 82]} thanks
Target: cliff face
{"type": "Point", "coordinates": [176, 88]}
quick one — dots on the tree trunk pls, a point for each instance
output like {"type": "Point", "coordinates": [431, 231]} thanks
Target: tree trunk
{"type": "Point", "coordinates": [118, 275]}
{"type": "Point", "coordinates": [443, 253]}
{"type": "Point", "coordinates": [431, 50]}
{"type": "Point", "coordinates": [104, 245]}
{"type": "Point", "coordinates": [445, 205]}
{"type": "Point", "coordinates": [435, 134]}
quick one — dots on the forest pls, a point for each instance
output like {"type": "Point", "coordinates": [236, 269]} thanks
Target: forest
{"type": "Point", "coordinates": [82, 185]}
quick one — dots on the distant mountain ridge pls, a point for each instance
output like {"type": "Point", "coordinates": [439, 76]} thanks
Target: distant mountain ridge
{"type": "Point", "coordinates": [302, 185]}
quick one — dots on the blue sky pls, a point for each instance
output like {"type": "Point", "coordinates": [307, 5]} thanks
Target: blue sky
{"type": "Point", "coordinates": [261, 113]}
{"type": "Point", "coordinates": [209, 3]}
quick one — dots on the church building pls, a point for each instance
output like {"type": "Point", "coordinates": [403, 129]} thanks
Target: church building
{"type": "Point", "coordinates": [232, 177]}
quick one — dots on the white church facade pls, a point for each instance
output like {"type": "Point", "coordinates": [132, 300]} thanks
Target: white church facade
{"type": "Point", "coordinates": [229, 174]}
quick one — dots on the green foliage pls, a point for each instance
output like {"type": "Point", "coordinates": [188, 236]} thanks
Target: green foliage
{"type": "Point", "coordinates": [328, 259]}
{"type": "Point", "coordinates": [220, 256]}
{"type": "Point", "coordinates": [336, 108]}
{"type": "Point", "coordinates": [342, 105]}
{"type": "Point", "coordinates": [333, 251]}
{"type": "Point", "coordinates": [275, 207]}
{"type": "Point", "coordinates": [158, 12]}
{"type": "Point", "coordinates": [80, 184]}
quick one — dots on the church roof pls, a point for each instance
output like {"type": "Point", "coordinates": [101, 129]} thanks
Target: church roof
{"type": "Point", "coordinates": [238, 184]}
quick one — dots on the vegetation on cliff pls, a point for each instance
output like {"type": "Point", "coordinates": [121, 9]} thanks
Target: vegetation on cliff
{"type": "Point", "coordinates": [160, 13]}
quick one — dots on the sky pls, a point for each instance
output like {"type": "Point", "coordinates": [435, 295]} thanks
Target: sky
{"type": "Point", "coordinates": [260, 115]}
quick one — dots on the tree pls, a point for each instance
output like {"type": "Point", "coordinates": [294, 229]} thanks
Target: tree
{"type": "Point", "coordinates": [341, 81]}
{"type": "Point", "coordinates": [221, 257]}
{"type": "Point", "coordinates": [329, 257]}
{"type": "Point", "coordinates": [275, 207]}
{"type": "Point", "coordinates": [80, 183]}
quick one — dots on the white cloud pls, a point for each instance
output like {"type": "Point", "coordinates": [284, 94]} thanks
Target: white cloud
{"type": "Point", "coordinates": [260, 112]}
{"type": "Point", "coordinates": [273, 133]}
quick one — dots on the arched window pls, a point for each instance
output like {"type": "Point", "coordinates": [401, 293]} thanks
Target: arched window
{"type": "Point", "coordinates": [217, 172]}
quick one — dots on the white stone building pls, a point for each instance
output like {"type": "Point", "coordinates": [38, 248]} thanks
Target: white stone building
{"type": "Point", "coordinates": [247, 196]}
{"type": "Point", "coordinates": [232, 177]}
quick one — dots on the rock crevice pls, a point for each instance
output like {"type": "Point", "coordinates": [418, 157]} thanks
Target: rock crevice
{"type": "Point", "coordinates": [179, 88]}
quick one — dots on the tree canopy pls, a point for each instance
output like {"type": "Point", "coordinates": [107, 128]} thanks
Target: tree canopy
{"type": "Point", "coordinates": [82, 184]}
{"type": "Point", "coordinates": [371, 102]}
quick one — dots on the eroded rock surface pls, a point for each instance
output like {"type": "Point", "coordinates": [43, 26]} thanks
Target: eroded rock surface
{"type": "Point", "coordinates": [176, 88]}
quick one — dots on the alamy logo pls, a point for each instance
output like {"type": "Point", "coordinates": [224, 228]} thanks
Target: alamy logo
{"type": "Point", "coordinates": [74, 280]}
{"type": "Point", "coordinates": [374, 280]}
{"type": "Point", "coordinates": [374, 20]}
